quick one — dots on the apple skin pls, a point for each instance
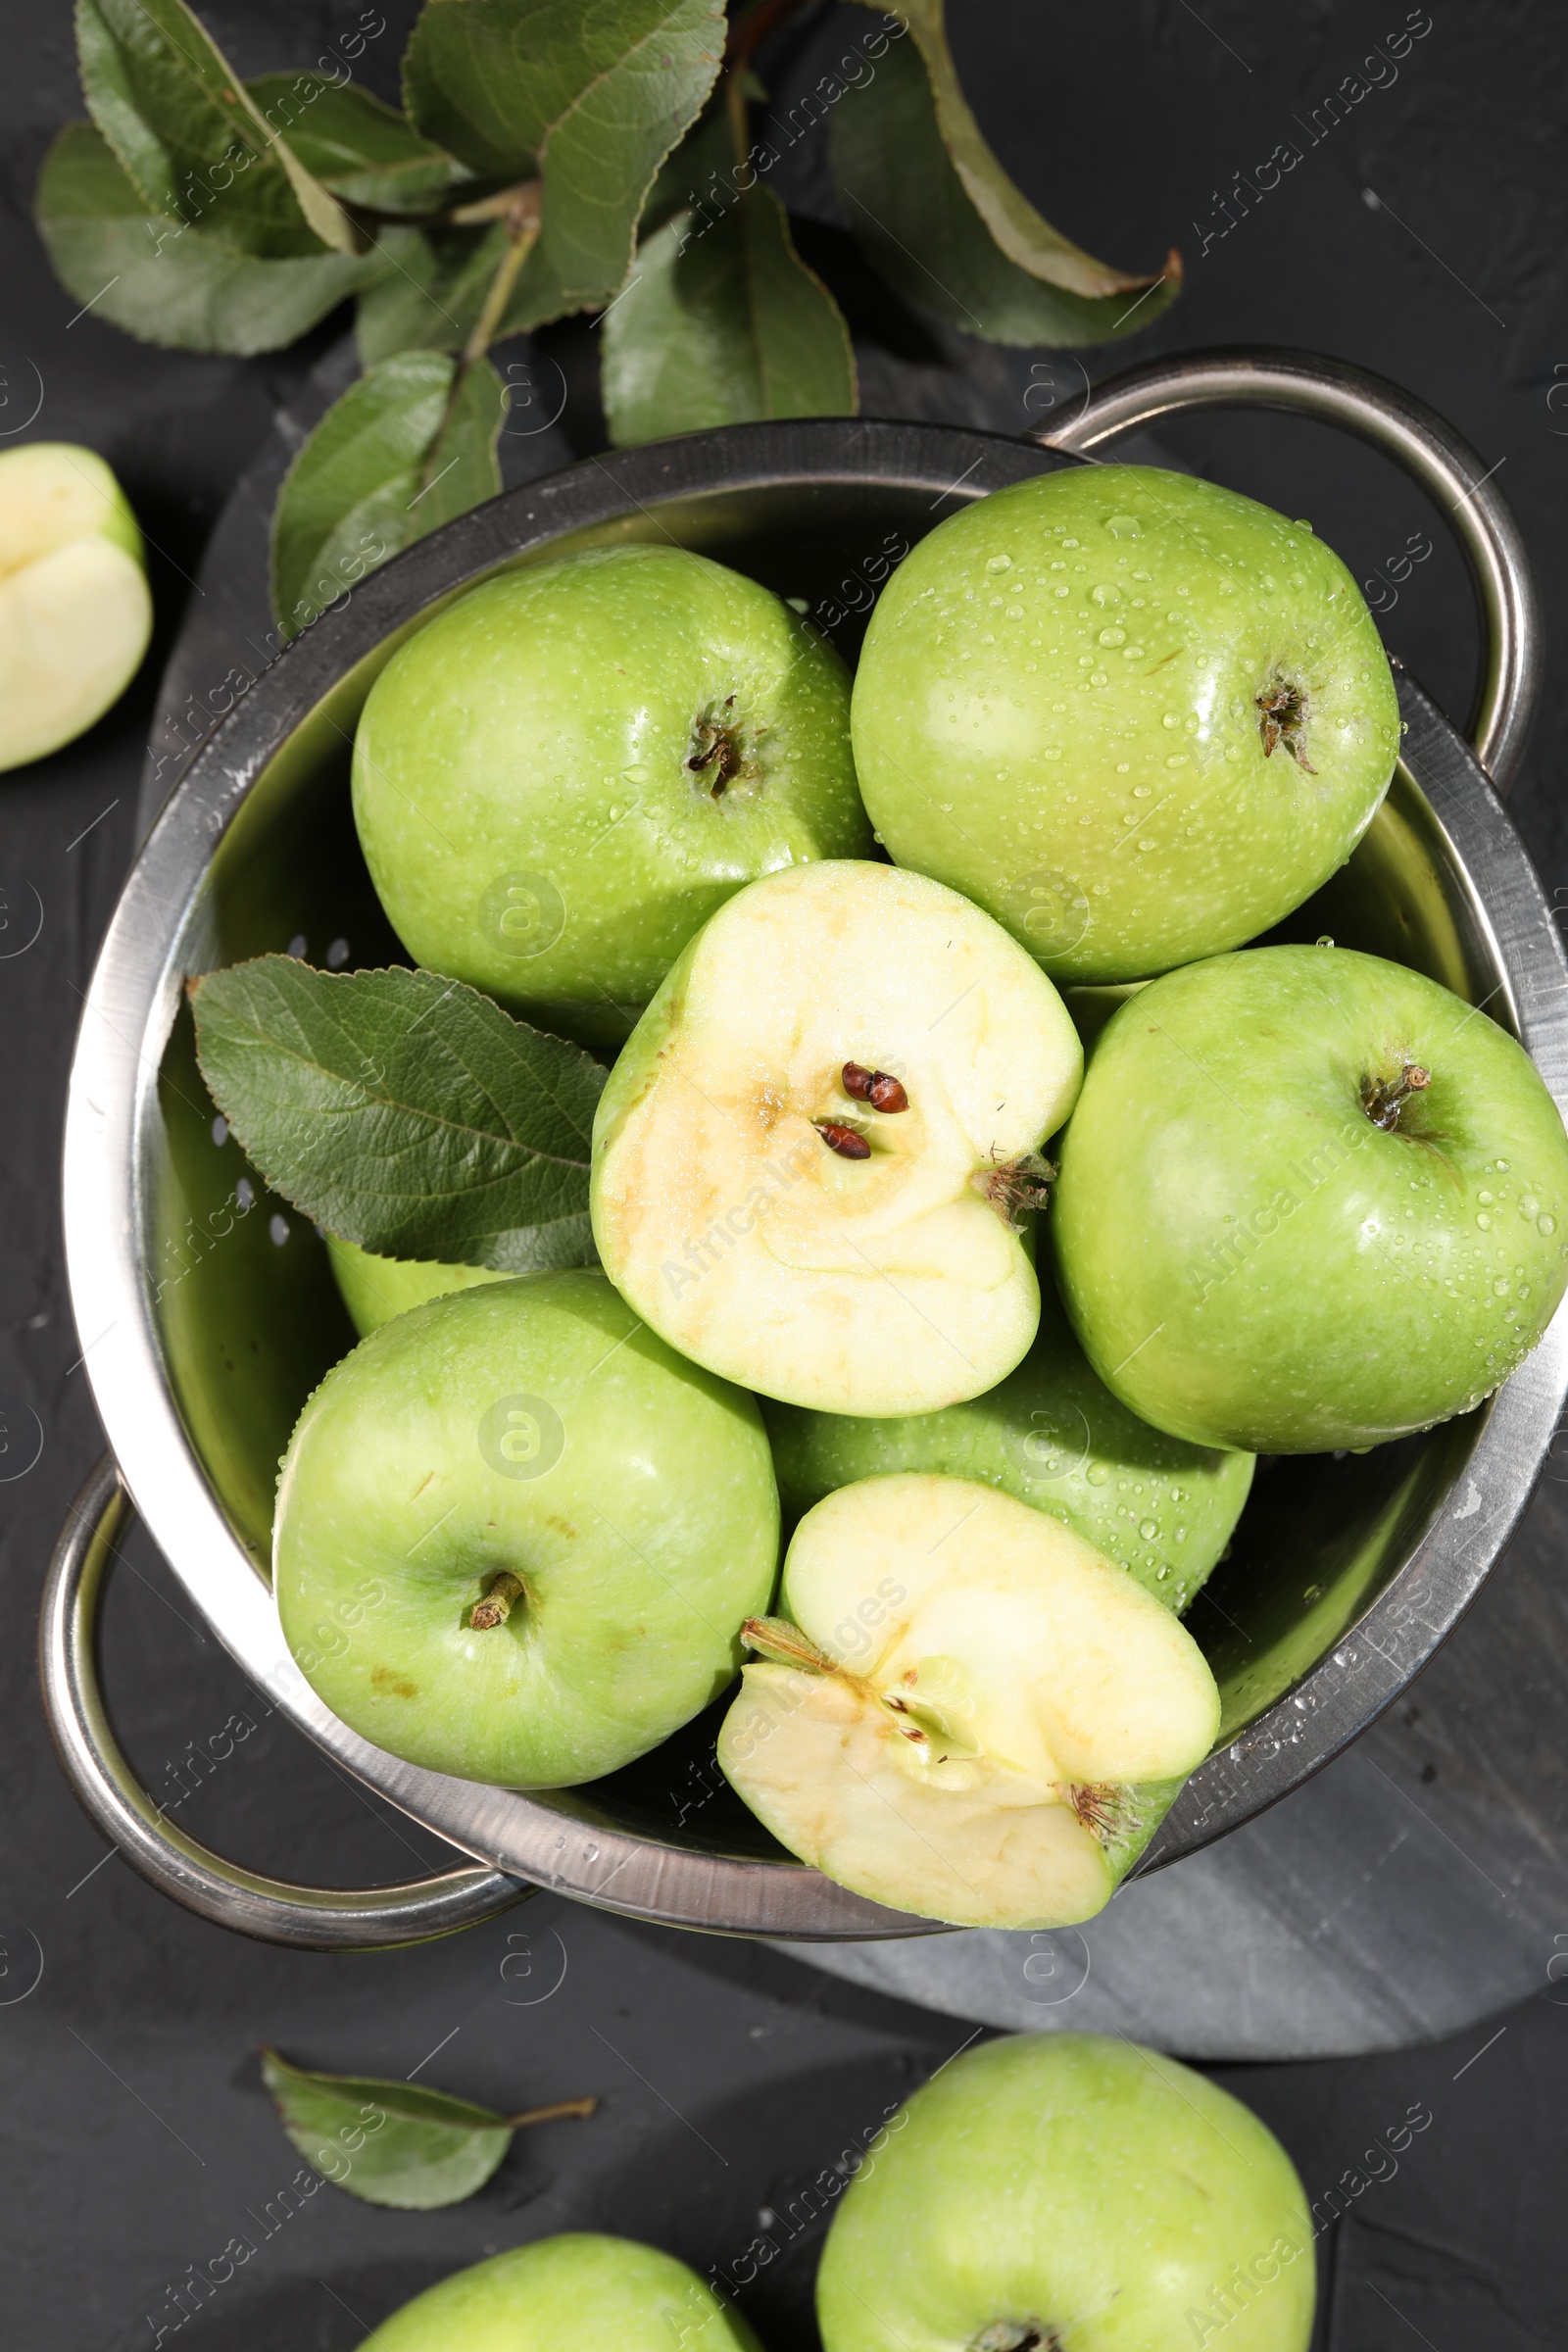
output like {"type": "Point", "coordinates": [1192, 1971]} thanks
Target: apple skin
{"type": "Point", "coordinates": [76, 615]}
{"type": "Point", "coordinates": [523, 783]}
{"type": "Point", "coordinates": [1109, 2195]}
{"type": "Point", "coordinates": [1051, 1435]}
{"type": "Point", "coordinates": [1056, 713]}
{"type": "Point", "coordinates": [532, 1425]}
{"type": "Point", "coordinates": [576, 2289]}
{"type": "Point", "coordinates": [1250, 1261]}
{"type": "Point", "coordinates": [377, 1288]}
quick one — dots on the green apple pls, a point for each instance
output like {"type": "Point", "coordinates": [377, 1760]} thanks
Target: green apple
{"type": "Point", "coordinates": [1137, 716]}
{"type": "Point", "coordinates": [560, 778]}
{"type": "Point", "coordinates": [75, 612]}
{"type": "Point", "coordinates": [808, 1159]}
{"type": "Point", "coordinates": [1051, 1435]}
{"type": "Point", "coordinates": [516, 1536]}
{"type": "Point", "coordinates": [568, 2291]}
{"type": "Point", "coordinates": [1308, 1199]}
{"type": "Point", "coordinates": [375, 1288]}
{"type": "Point", "coordinates": [966, 1711]}
{"type": "Point", "coordinates": [1067, 2192]}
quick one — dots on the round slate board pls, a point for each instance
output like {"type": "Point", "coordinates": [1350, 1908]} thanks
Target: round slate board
{"type": "Point", "coordinates": [1418, 1884]}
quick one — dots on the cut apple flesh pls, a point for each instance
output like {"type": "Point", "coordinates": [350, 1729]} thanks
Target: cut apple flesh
{"type": "Point", "coordinates": [968, 1713]}
{"type": "Point", "coordinates": [75, 610]}
{"type": "Point", "coordinates": [807, 1156]}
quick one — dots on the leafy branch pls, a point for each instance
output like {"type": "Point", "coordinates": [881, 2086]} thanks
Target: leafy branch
{"type": "Point", "coordinates": [547, 160]}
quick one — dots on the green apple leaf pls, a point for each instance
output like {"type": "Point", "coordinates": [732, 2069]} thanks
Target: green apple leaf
{"type": "Point", "coordinates": [364, 152]}
{"type": "Point", "coordinates": [463, 1138]}
{"type": "Point", "coordinates": [408, 447]}
{"type": "Point", "coordinates": [192, 138]}
{"type": "Point", "coordinates": [938, 217]}
{"type": "Point", "coordinates": [188, 288]}
{"type": "Point", "coordinates": [396, 2144]}
{"type": "Point", "coordinates": [589, 100]}
{"type": "Point", "coordinates": [722, 321]}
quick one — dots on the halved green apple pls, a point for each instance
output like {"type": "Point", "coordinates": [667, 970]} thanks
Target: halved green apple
{"type": "Point", "coordinates": [967, 1712]}
{"type": "Point", "coordinates": [75, 612]}
{"type": "Point", "coordinates": [811, 1156]}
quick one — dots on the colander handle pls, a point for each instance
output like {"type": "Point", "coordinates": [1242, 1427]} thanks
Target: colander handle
{"type": "Point", "coordinates": [1416, 438]}
{"type": "Point", "coordinates": [314, 1917]}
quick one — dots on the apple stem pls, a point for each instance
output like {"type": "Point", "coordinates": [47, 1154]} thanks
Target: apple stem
{"type": "Point", "coordinates": [784, 1644]}
{"type": "Point", "coordinates": [497, 1604]}
{"type": "Point", "coordinates": [550, 2114]}
{"type": "Point", "coordinates": [1383, 1099]}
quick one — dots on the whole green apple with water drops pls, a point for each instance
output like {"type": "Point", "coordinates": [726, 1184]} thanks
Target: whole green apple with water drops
{"type": "Point", "coordinates": [1136, 717]}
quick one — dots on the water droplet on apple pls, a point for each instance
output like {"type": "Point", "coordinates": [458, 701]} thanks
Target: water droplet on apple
{"type": "Point", "coordinates": [1149, 1529]}
{"type": "Point", "coordinates": [1177, 760]}
{"type": "Point", "coordinates": [1485, 1197]}
{"type": "Point", "coordinates": [1097, 1476]}
{"type": "Point", "coordinates": [999, 563]}
{"type": "Point", "coordinates": [590, 1853]}
{"type": "Point", "coordinates": [1097, 678]}
{"type": "Point", "coordinates": [1485, 1222]}
{"type": "Point", "coordinates": [1112, 636]}
{"type": "Point", "coordinates": [1170, 718]}
{"type": "Point", "coordinates": [1545, 1224]}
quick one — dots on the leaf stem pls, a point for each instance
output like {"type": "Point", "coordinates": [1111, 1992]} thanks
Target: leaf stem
{"type": "Point", "coordinates": [522, 219]}
{"type": "Point", "coordinates": [550, 2114]}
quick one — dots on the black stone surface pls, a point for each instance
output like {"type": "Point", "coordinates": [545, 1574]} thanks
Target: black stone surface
{"type": "Point", "coordinates": [134, 2140]}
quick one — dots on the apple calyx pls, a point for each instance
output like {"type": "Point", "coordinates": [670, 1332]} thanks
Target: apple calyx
{"type": "Point", "coordinates": [882, 1090]}
{"type": "Point", "coordinates": [1283, 705]}
{"type": "Point", "coordinates": [1017, 1188]}
{"type": "Point", "coordinates": [716, 753]}
{"type": "Point", "coordinates": [497, 1604]}
{"type": "Point", "coordinates": [1016, 2335]}
{"type": "Point", "coordinates": [1383, 1099]}
{"type": "Point", "coordinates": [1107, 1808]}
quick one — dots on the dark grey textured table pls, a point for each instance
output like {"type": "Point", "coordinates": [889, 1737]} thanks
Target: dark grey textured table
{"type": "Point", "coordinates": [134, 2141]}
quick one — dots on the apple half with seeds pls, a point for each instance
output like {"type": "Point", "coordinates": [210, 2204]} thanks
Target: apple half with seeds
{"type": "Point", "coordinates": [967, 1712]}
{"type": "Point", "coordinates": [810, 1160]}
